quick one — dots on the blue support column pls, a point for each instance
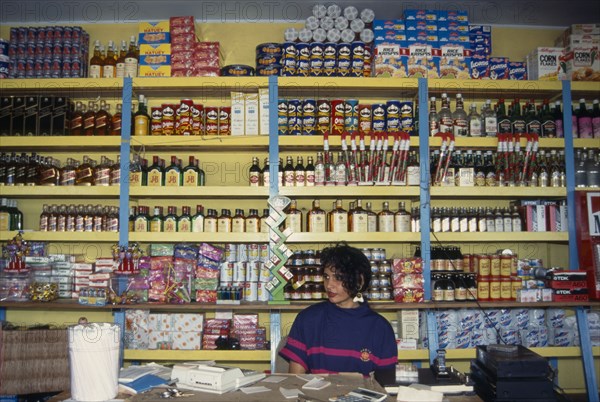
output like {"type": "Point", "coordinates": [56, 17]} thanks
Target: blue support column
{"type": "Point", "coordinates": [423, 96]}
{"type": "Point", "coordinates": [553, 361]}
{"type": "Point", "coordinates": [589, 371]}
{"type": "Point", "coordinates": [119, 319]}
{"type": "Point", "coordinates": [2, 314]}
{"type": "Point", "coordinates": [275, 328]}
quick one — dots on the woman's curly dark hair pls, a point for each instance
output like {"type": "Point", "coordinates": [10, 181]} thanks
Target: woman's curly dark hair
{"type": "Point", "coordinates": [349, 265]}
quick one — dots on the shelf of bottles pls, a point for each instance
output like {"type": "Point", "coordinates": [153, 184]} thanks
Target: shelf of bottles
{"type": "Point", "coordinates": [96, 237]}
{"type": "Point", "coordinates": [212, 237]}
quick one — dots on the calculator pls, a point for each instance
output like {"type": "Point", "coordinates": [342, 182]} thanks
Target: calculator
{"type": "Point", "coordinates": [360, 395]}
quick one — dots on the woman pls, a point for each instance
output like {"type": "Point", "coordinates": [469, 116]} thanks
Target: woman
{"type": "Point", "coordinates": [341, 334]}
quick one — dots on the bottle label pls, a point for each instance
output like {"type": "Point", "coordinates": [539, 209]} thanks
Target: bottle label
{"type": "Point", "coordinates": [460, 128]}
{"type": "Point", "coordinates": [299, 178]}
{"type": "Point", "coordinates": [266, 179]}
{"type": "Point", "coordinates": [156, 225]}
{"type": "Point", "coordinates": [507, 224]}
{"type": "Point", "coordinates": [254, 179]}
{"type": "Point", "coordinates": [317, 223]}
{"type": "Point", "coordinates": [499, 225]}
{"type": "Point", "coordinates": [95, 71]}
{"type": "Point", "coordinates": [84, 174]}
{"type": "Point", "coordinates": [141, 125]}
{"type": "Point", "coordinates": [559, 128]}
{"type": "Point", "coordinates": [372, 223]}
{"type": "Point", "coordinates": [251, 225]}
{"type": "Point", "coordinates": [596, 127]}
{"type": "Point", "coordinates": [131, 67]}
{"type": "Point", "coordinates": [97, 223]}
{"type": "Point", "coordinates": [237, 225]}
{"type": "Point", "coordinates": [170, 225]}
{"type": "Point", "coordinates": [108, 71]}
{"type": "Point", "coordinates": [102, 177]}
{"type": "Point", "coordinates": [288, 178]}
{"type": "Point", "coordinates": [155, 178]}
{"type": "Point", "coordinates": [190, 178]}
{"type": "Point", "coordinates": [480, 178]}
{"type": "Point", "coordinates": [475, 127]}
{"type": "Point", "coordinates": [320, 176]}
{"type": "Point", "coordinates": [437, 295]}
{"type": "Point", "coordinates": [172, 178]}
{"type": "Point", "coordinates": [294, 222]}
{"type": "Point", "coordinates": [360, 223]}
{"type": "Point", "coordinates": [413, 176]}
{"type": "Point", "coordinates": [88, 224]}
{"type": "Point", "coordinates": [135, 179]}
{"type": "Point", "coordinates": [184, 225]}
{"type": "Point", "coordinates": [472, 225]}
{"type": "Point", "coordinates": [549, 129]}
{"type": "Point", "coordinates": [437, 225]}
{"type": "Point", "coordinates": [100, 124]}
{"type": "Point", "coordinates": [463, 226]}
{"type": "Point", "coordinates": [491, 126]}
{"type": "Point", "coordinates": [504, 126]}
{"type": "Point", "coordinates": [198, 225]}
{"type": "Point", "coordinates": [70, 224]}
{"type": "Point", "coordinates": [455, 224]}
{"type": "Point", "coordinates": [88, 123]}
{"type": "Point", "coordinates": [52, 224]}
{"type": "Point", "coordinates": [76, 123]}
{"type": "Point", "coordinates": [585, 127]}
{"type": "Point", "coordinates": [120, 70]}
{"type": "Point", "coordinates": [446, 224]}
{"type": "Point", "coordinates": [310, 178]}
{"type": "Point", "coordinates": [79, 224]}
{"type": "Point", "coordinates": [115, 177]}
{"type": "Point", "coordinates": [112, 225]}
{"type": "Point", "coordinates": [116, 124]}
{"type": "Point", "coordinates": [49, 175]}
{"type": "Point", "coordinates": [402, 223]}
{"type": "Point", "coordinates": [448, 294]}
{"type": "Point", "coordinates": [386, 223]}
{"type": "Point", "coordinates": [224, 225]}
{"type": "Point", "coordinates": [339, 222]}
{"type": "Point", "coordinates": [5, 222]}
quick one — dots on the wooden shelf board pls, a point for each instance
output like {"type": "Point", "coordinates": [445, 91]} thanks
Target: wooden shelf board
{"type": "Point", "coordinates": [350, 237]}
{"type": "Point", "coordinates": [492, 142]}
{"type": "Point", "coordinates": [513, 237]}
{"type": "Point", "coordinates": [70, 143]}
{"type": "Point", "coordinates": [72, 87]}
{"type": "Point", "coordinates": [549, 351]}
{"type": "Point", "coordinates": [498, 192]}
{"type": "Point", "coordinates": [350, 191]}
{"type": "Point", "coordinates": [473, 89]}
{"type": "Point", "coordinates": [199, 192]}
{"type": "Point", "coordinates": [586, 143]}
{"type": "Point", "coordinates": [588, 189]}
{"type": "Point", "coordinates": [60, 191]}
{"type": "Point", "coordinates": [87, 237]}
{"type": "Point", "coordinates": [220, 355]}
{"type": "Point", "coordinates": [316, 141]}
{"type": "Point", "coordinates": [212, 143]}
{"type": "Point", "coordinates": [199, 237]}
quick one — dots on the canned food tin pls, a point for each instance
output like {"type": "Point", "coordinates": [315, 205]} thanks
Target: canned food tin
{"type": "Point", "coordinates": [346, 35]}
{"type": "Point", "coordinates": [392, 113]}
{"type": "Point", "coordinates": [344, 58]}
{"type": "Point", "coordinates": [374, 281]}
{"type": "Point", "coordinates": [338, 110]}
{"type": "Point", "coordinates": [505, 266]}
{"type": "Point", "coordinates": [384, 279]}
{"type": "Point", "coordinates": [483, 289]}
{"type": "Point", "coordinates": [374, 267]}
{"type": "Point", "coordinates": [505, 289]}
{"type": "Point", "coordinates": [251, 291]}
{"type": "Point", "coordinates": [58, 33]}
{"type": "Point", "coordinates": [378, 117]}
{"type": "Point", "coordinates": [239, 271]}
{"type": "Point", "coordinates": [364, 119]}
{"type": "Point", "coordinates": [253, 252]}
{"type": "Point", "coordinates": [211, 120]}
{"type": "Point", "coordinates": [303, 59]}
{"type": "Point", "coordinates": [294, 117]}
{"type": "Point", "coordinates": [252, 271]}
{"type": "Point", "coordinates": [156, 121]}
{"type": "Point", "coordinates": [197, 119]}
{"type": "Point", "coordinates": [319, 35]}
{"type": "Point", "coordinates": [168, 119]}
{"type": "Point", "coordinates": [290, 34]}
{"type": "Point", "coordinates": [269, 48]}
{"type": "Point", "coordinates": [225, 120]}
{"type": "Point", "coordinates": [358, 59]}
{"type": "Point", "coordinates": [494, 265]}
{"type": "Point", "coordinates": [378, 254]}
{"type": "Point", "coordinates": [226, 272]}
{"type": "Point", "coordinates": [516, 284]}
{"type": "Point", "coordinates": [323, 116]}
{"type": "Point", "coordinates": [515, 265]}
{"type": "Point", "coordinates": [329, 59]}
{"type": "Point", "coordinates": [351, 115]}
{"type": "Point", "coordinates": [263, 252]}
{"type": "Point", "coordinates": [231, 251]}
{"type": "Point", "coordinates": [483, 265]}
{"type": "Point", "coordinates": [327, 23]}
{"type": "Point", "coordinates": [305, 35]}
{"type": "Point", "coordinates": [267, 71]}
{"type": "Point", "coordinates": [263, 293]}
{"type": "Point", "coordinates": [357, 26]}
{"type": "Point", "coordinates": [237, 70]}
{"type": "Point", "coordinates": [184, 117]}
{"type": "Point", "coordinates": [316, 59]}
{"type": "Point", "coordinates": [4, 67]}
{"type": "Point", "coordinates": [386, 293]}
{"type": "Point", "coordinates": [495, 289]}
{"type": "Point", "coordinates": [241, 252]}
{"type": "Point", "coordinates": [385, 267]}
{"type": "Point", "coordinates": [282, 117]}
{"type": "Point", "coordinates": [309, 117]}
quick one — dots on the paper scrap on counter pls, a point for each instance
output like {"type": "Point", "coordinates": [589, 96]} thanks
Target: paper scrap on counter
{"type": "Point", "coordinates": [290, 393]}
{"type": "Point", "coordinates": [274, 379]}
{"type": "Point", "coordinates": [254, 390]}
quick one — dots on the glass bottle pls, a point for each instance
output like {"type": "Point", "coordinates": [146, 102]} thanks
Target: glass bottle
{"type": "Point", "coordinates": [517, 224]}
{"type": "Point", "coordinates": [449, 288]}
{"type": "Point", "coordinates": [507, 218]}
{"type": "Point", "coordinates": [371, 218]}
{"type": "Point", "coordinates": [198, 221]}
{"type": "Point", "coordinates": [238, 222]}
{"type": "Point", "coordinates": [415, 222]}
{"type": "Point", "coordinates": [95, 67]}
{"type": "Point", "coordinates": [596, 119]}
{"type": "Point", "coordinates": [192, 174]}
{"type": "Point", "coordinates": [473, 220]}
{"type": "Point", "coordinates": [445, 218]}
{"type": "Point", "coordinates": [340, 173]}
{"type": "Point", "coordinates": [543, 172]}
{"type": "Point", "coordinates": [265, 174]}
{"type": "Point", "coordinates": [253, 173]}
{"type": "Point", "coordinates": [157, 220]}
{"type": "Point", "coordinates": [71, 216]}
{"type": "Point", "coordinates": [320, 170]}
{"type": "Point", "coordinates": [52, 218]}
{"type": "Point", "coordinates": [584, 121]}
{"type": "Point", "coordinates": [532, 121]}
{"type": "Point", "coordinates": [109, 68]}
{"type": "Point", "coordinates": [288, 172]}
{"type": "Point", "coordinates": [252, 221]}
{"type": "Point", "coordinates": [112, 224]}
{"type": "Point", "coordinates": [97, 218]}
{"type": "Point", "coordinates": [131, 59]}
{"type": "Point", "coordinates": [455, 215]}
{"type": "Point", "coordinates": [446, 121]}
{"type": "Point", "coordinates": [490, 120]}
{"type": "Point", "coordinates": [299, 173]}
{"type": "Point", "coordinates": [385, 218]}
{"type": "Point", "coordinates": [170, 220]}
{"type": "Point", "coordinates": [316, 219]}
{"type": "Point", "coordinates": [498, 221]}
{"type": "Point", "coordinates": [358, 218]}
{"type": "Point", "coordinates": [172, 174]}
{"type": "Point", "coordinates": [294, 217]}
{"type": "Point", "coordinates": [434, 121]}
{"type": "Point", "coordinates": [142, 220]}
{"type": "Point", "coordinates": [459, 118]}
{"type": "Point", "coordinates": [89, 119]}
{"type": "Point", "coordinates": [224, 221]}
{"type": "Point", "coordinates": [490, 220]}
{"type": "Point", "coordinates": [580, 168]}
{"type": "Point", "coordinates": [88, 218]}
{"type": "Point", "coordinates": [264, 228]}
{"type": "Point", "coordinates": [280, 178]}
{"type": "Point", "coordinates": [135, 171]}
{"type": "Point", "coordinates": [76, 120]}
{"type": "Point", "coordinates": [330, 172]}
{"type": "Point", "coordinates": [402, 219]}
{"type": "Point", "coordinates": [547, 121]}
{"type": "Point", "coordinates": [475, 127]}
{"type": "Point", "coordinates": [558, 120]}
{"type": "Point", "coordinates": [481, 220]}
{"type": "Point", "coordinates": [310, 172]}
{"type": "Point", "coordinates": [84, 175]}
{"type": "Point", "coordinates": [338, 218]}
{"type": "Point", "coordinates": [115, 172]}
{"type": "Point", "coordinates": [517, 121]}
{"type": "Point", "coordinates": [116, 121]}
{"type": "Point", "coordinates": [437, 286]}
{"type": "Point", "coordinates": [5, 218]}
{"type": "Point", "coordinates": [504, 122]}
{"type": "Point", "coordinates": [155, 173]}
{"type": "Point", "coordinates": [141, 118]}
{"type": "Point", "coordinates": [120, 64]}
{"type": "Point", "coordinates": [592, 170]}
{"type": "Point", "coordinates": [184, 222]}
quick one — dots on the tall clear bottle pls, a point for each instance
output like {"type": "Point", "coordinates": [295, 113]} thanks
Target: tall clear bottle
{"type": "Point", "coordinates": [131, 59]}
{"type": "Point", "coordinates": [475, 126]}
{"type": "Point", "coordinates": [446, 122]}
{"type": "Point", "coordinates": [434, 123]}
{"type": "Point", "coordinates": [490, 120]}
{"type": "Point", "coordinates": [459, 118]}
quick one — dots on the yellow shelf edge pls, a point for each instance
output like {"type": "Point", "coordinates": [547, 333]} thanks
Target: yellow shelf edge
{"type": "Point", "coordinates": [253, 141]}
{"type": "Point", "coordinates": [462, 192]}
{"type": "Point", "coordinates": [353, 237]}
{"type": "Point", "coordinates": [223, 355]}
{"type": "Point", "coordinates": [202, 192]}
{"type": "Point", "coordinates": [60, 191]}
{"type": "Point", "coordinates": [86, 84]}
{"type": "Point", "coordinates": [162, 237]}
{"type": "Point", "coordinates": [88, 237]}
{"type": "Point", "coordinates": [512, 237]}
{"type": "Point", "coordinates": [587, 189]}
{"type": "Point", "coordinates": [71, 142]}
{"type": "Point", "coordinates": [586, 143]}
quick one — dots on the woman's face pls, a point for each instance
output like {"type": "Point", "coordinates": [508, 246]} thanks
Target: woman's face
{"type": "Point", "coordinates": [336, 293]}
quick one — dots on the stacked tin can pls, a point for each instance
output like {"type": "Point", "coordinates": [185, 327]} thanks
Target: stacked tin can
{"type": "Point", "coordinates": [380, 287]}
{"type": "Point", "coordinates": [190, 118]}
{"type": "Point", "coordinates": [307, 282]}
{"type": "Point", "coordinates": [244, 267]}
{"type": "Point", "coordinates": [45, 52]}
{"type": "Point", "coordinates": [268, 59]}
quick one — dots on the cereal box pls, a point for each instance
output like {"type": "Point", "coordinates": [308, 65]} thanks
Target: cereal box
{"type": "Point", "coordinates": [517, 70]}
{"type": "Point", "coordinates": [154, 26]}
{"type": "Point", "coordinates": [420, 61]}
{"type": "Point", "coordinates": [480, 67]}
{"type": "Point", "coordinates": [543, 63]}
{"type": "Point", "coordinates": [581, 63]}
{"type": "Point", "coordinates": [498, 68]}
{"type": "Point", "coordinates": [454, 61]}
{"type": "Point", "coordinates": [390, 61]}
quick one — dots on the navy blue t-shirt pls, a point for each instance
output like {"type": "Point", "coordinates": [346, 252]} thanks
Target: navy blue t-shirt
{"type": "Point", "coordinates": [328, 339]}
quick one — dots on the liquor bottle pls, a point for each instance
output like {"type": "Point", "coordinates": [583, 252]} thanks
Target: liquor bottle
{"type": "Point", "coordinates": [446, 121]}
{"type": "Point", "coordinates": [574, 123]}
{"type": "Point", "coordinates": [20, 169]}
{"type": "Point", "coordinates": [155, 173]}
{"type": "Point", "coordinates": [507, 220]}
{"type": "Point", "coordinates": [341, 174]}
{"type": "Point", "coordinates": [310, 172]}
{"type": "Point", "coordinates": [280, 179]}
{"type": "Point", "coordinates": [532, 121]}
{"type": "Point", "coordinates": [316, 219]}
{"type": "Point", "coordinates": [490, 220]}
{"type": "Point", "coordinates": [115, 121]}
{"type": "Point", "coordinates": [504, 122]}
{"type": "Point", "coordinates": [338, 218]}
{"type": "Point", "coordinates": [198, 221]}
{"type": "Point", "coordinates": [592, 170]}
{"type": "Point", "coordinates": [224, 221]}
{"type": "Point", "coordinates": [299, 173]}
{"type": "Point", "coordinates": [547, 121]}
{"type": "Point", "coordinates": [88, 218]}
{"type": "Point", "coordinates": [84, 175]}
{"type": "Point", "coordinates": [402, 219]}
{"type": "Point", "coordinates": [89, 118]}
{"type": "Point", "coordinates": [475, 129]}
{"type": "Point", "coordinates": [459, 118]}
{"type": "Point", "coordinates": [131, 59]}
{"type": "Point", "coordinates": [252, 221]}
{"type": "Point", "coordinates": [141, 119]}
{"type": "Point", "coordinates": [184, 221]}
{"type": "Point", "coordinates": [434, 123]}
{"type": "Point", "coordinates": [5, 217]}
{"type": "Point", "coordinates": [445, 219]}
{"type": "Point", "coordinates": [70, 221]}
{"type": "Point", "coordinates": [517, 121]}
{"type": "Point", "coordinates": [415, 220]}
{"type": "Point", "coordinates": [480, 169]}
{"type": "Point", "coordinates": [115, 172]}
{"type": "Point", "coordinates": [172, 174]}
{"type": "Point", "coordinates": [31, 173]}
{"type": "Point", "coordinates": [253, 173]}
{"type": "Point", "coordinates": [192, 175]}
{"type": "Point", "coordinates": [490, 120]}
{"type": "Point", "coordinates": [371, 218]}
{"type": "Point", "coordinates": [135, 171]}
{"type": "Point", "coordinates": [584, 121]}
{"type": "Point", "coordinates": [76, 120]}
{"type": "Point", "coordinates": [263, 227]}
{"type": "Point", "coordinates": [498, 220]}
{"type": "Point", "coordinates": [481, 220]}
{"type": "Point", "coordinates": [558, 120]}
{"type": "Point", "coordinates": [170, 220]}
{"type": "Point", "coordinates": [517, 224]}
{"type": "Point", "coordinates": [142, 220]}
{"type": "Point", "coordinates": [330, 172]}
{"type": "Point", "coordinates": [358, 218]}
{"type": "Point", "coordinates": [95, 67]}
{"type": "Point", "coordinates": [385, 218]}
{"type": "Point", "coordinates": [436, 220]}
{"type": "Point", "coordinates": [157, 220]}
{"type": "Point", "coordinates": [102, 120]}
{"type": "Point", "coordinates": [265, 174]}
{"type": "Point", "coordinates": [543, 171]}
{"type": "Point", "coordinates": [120, 64]}
{"type": "Point", "coordinates": [102, 172]}
{"type": "Point", "coordinates": [288, 172]}
{"type": "Point", "coordinates": [109, 68]}
{"type": "Point", "coordinates": [320, 170]}
{"type": "Point", "coordinates": [294, 218]}
{"type": "Point", "coordinates": [596, 118]}
{"type": "Point", "coordinates": [238, 222]}
{"type": "Point", "coordinates": [463, 220]}
{"type": "Point", "coordinates": [97, 218]}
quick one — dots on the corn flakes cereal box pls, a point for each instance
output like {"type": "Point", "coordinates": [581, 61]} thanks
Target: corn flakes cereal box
{"type": "Point", "coordinates": [543, 63]}
{"type": "Point", "coordinates": [390, 60]}
{"type": "Point", "coordinates": [455, 61]}
{"type": "Point", "coordinates": [581, 63]}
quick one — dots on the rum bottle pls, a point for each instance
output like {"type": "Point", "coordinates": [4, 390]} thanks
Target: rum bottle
{"type": "Point", "coordinates": [294, 218]}
{"type": "Point", "coordinates": [338, 218]}
{"type": "Point", "coordinates": [385, 218]}
{"type": "Point", "coordinates": [316, 219]}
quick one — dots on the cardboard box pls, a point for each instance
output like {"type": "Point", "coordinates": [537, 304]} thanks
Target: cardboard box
{"type": "Point", "coordinates": [154, 26]}
{"type": "Point", "coordinates": [263, 111]}
{"type": "Point", "coordinates": [155, 70]}
{"type": "Point", "coordinates": [409, 324]}
{"type": "Point", "coordinates": [251, 110]}
{"type": "Point", "coordinates": [44, 124]}
{"type": "Point", "coordinates": [582, 63]}
{"type": "Point", "coordinates": [238, 109]}
{"type": "Point", "coordinates": [454, 61]}
{"type": "Point", "coordinates": [60, 108]}
{"type": "Point", "coordinates": [543, 63]}
{"type": "Point", "coordinates": [390, 61]}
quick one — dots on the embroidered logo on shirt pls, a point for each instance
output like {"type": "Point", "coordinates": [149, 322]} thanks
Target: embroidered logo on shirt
{"type": "Point", "coordinates": [365, 355]}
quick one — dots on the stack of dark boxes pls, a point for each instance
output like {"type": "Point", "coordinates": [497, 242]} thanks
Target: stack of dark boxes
{"type": "Point", "coordinates": [33, 115]}
{"type": "Point", "coordinates": [503, 373]}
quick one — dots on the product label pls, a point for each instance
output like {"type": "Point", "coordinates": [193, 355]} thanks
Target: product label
{"type": "Point", "coordinates": [155, 178]}
{"type": "Point", "coordinates": [199, 226]}
{"type": "Point", "coordinates": [386, 223]}
{"type": "Point", "coordinates": [170, 225]}
{"type": "Point", "coordinates": [184, 225]}
{"type": "Point", "coordinates": [339, 222]}
{"type": "Point", "coordinates": [172, 178]}
{"type": "Point", "coordinates": [108, 71]}
{"type": "Point", "coordinates": [237, 225]}
{"type": "Point", "coordinates": [141, 125]}
{"type": "Point", "coordinates": [135, 179]}
{"type": "Point", "coordinates": [156, 225]}
{"type": "Point", "coordinates": [402, 223]}
{"type": "Point", "coordinates": [95, 71]}
{"type": "Point", "coordinates": [294, 222]}
{"type": "Point", "coordinates": [360, 223]}
{"type": "Point", "coordinates": [317, 223]}
{"type": "Point", "coordinates": [224, 225]}
{"type": "Point", "coordinates": [131, 67]}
